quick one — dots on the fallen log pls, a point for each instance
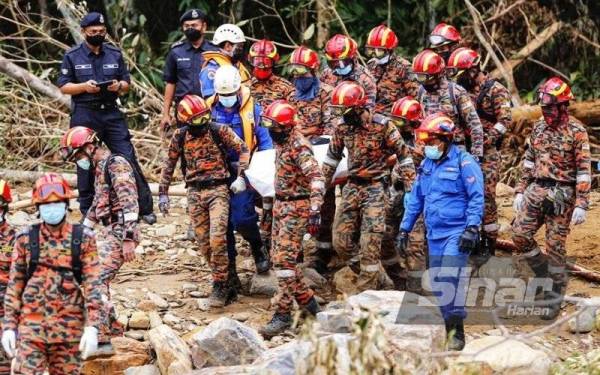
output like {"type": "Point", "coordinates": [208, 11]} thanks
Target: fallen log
{"type": "Point", "coordinates": [574, 269]}
{"type": "Point", "coordinates": [587, 112]}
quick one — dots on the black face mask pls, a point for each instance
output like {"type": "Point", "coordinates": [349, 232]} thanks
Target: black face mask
{"type": "Point", "coordinates": [198, 131]}
{"type": "Point", "coordinates": [466, 82]}
{"type": "Point", "coordinates": [352, 118]}
{"type": "Point", "coordinates": [278, 137]}
{"type": "Point", "coordinates": [237, 54]}
{"type": "Point", "coordinates": [192, 34]}
{"type": "Point", "coordinates": [95, 40]}
{"type": "Point", "coordinates": [431, 86]}
{"type": "Point", "coordinates": [445, 54]}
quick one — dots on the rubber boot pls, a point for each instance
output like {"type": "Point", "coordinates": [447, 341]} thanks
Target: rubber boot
{"type": "Point", "coordinates": [261, 257]}
{"type": "Point", "coordinates": [555, 297]}
{"type": "Point", "coordinates": [312, 306]}
{"type": "Point", "coordinates": [394, 271]}
{"type": "Point", "coordinates": [280, 322]}
{"type": "Point", "coordinates": [221, 294]}
{"type": "Point", "coordinates": [455, 330]}
{"type": "Point", "coordinates": [232, 278]}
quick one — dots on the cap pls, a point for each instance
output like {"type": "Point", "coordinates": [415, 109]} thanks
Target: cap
{"type": "Point", "coordinates": [93, 19]}
{"type": "Point", "coordinates": [192, 14]}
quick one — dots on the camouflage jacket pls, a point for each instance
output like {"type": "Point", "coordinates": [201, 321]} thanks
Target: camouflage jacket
{"type": "Point", "coordinates": [393, 82]}
{"type": "Point", "coordinates": [51, 307]}
{"type": "Point", "coordinates": [7, 242]}
{"type": "Point", "coordinates": [417, 152]}
{"type": "Point", "coordinates": [369, 147]}
{"type": "Point", "coordinates": [314, 115]}
{"type": "Point", "coordinates": [561, 154]}
{"type": "Point", "coordinates": [462, 112]}
{"type": "Point", "coordinates": [297, 172]}
{"type": "Point", "coordinates": [267, 91]}
{"type": "Point", "coordinates": [205, 157]}
{"type": "Point", "coordinates": [494, 110]}
{"type": "Point", "coordinates": [359, 74]}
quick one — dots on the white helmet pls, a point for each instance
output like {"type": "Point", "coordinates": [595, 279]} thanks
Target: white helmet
{"type": "Point", "coordinates": [227, 80]}
{"type": "Point", "coordinates": [228, 33]}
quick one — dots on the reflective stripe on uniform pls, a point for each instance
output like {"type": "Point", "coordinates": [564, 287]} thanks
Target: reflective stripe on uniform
{"type": "Point", "coordinates": [323, 245]}
{"type": "Point", "coordinates": [584, 177]}
{"type": "Point", "coordinates": [528, 164]}
{"type": "Point", "coordinates": [370, 268]}
{"type": "Point", "coordinates": [406, 161]}
{"type": "Point", "coordinates": [330, 161]}
{"type": "Point", "coordinates": [319, 185]}
{"type": "Point", "coordinates": [532, 253]}
{"type": "Point", "coordinates": [130, 216]}
{"type": "Point", "coordinates": [500, 127]}
{"type": "Point", "coordinates": [284, 274]}
{"type": "Point", "coordinates": [494, 227]}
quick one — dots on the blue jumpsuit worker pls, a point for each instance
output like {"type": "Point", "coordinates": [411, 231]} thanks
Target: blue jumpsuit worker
{"type": "Point", "coordinates": [234, 106]}
{"type": "Point", "coordinates": [184, 63]}
{"type": "Point", "coordinates": [92, 106]}
{"type": "Point", "coordinates": [449, 191]}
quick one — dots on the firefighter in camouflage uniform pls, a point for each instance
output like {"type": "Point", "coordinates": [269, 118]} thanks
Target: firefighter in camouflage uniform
{"type": "Point", "coordinates": [7, 242]}
{"type": "Point", "coordinates": [444, 39]}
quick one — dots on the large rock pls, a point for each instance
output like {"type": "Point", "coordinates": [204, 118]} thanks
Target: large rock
{"type": "Point", "coordinates": [282, 360]}
{"type": "Point", "coordinates": [168, 230]}
{"type": "Point", "coordinates": [143, 370]}
{"type": "Point", "coordinates": [126, 345]}
{"type": "Point", "coordinates": [345, 281]}
{"type": "Point", "coordinates": [506, 356]}
{"type": "Point", "coordinates": [586, 320]}
{"type": "Point", "coordinates": [226, 342]}
{"type": "Point", "coordinates": [265, 285]}
{"type": "Point", "coordinates": [128, 353]}
{"type": "Point", "coordinates": [160, 302]}
{"type": "Point", "coordinates": [335, 321]}
{"type": "Point", "coordinates": [172, 353]}
{"type": "Point", "coordinates": [139, 320]}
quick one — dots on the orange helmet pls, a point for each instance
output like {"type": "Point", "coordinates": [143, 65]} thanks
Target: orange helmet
{"type": "Point", "coordinates": [347, 95]}
{"type": "Point", "coordinates": [75, 139]}
{"type": "Point", "coordinates": [554, 91]}
{"type": "Point", "coordinates": [302, 59]}
{"type": "Point", "coordinates": [435, 125]}
{"type": "Point", "coordinates": [443, 34]}
{"type": "Point", "coordinates": [51, 187]}
{"type": "Point", "coordinates": [462, 59]}
{"type": "Point", "coordinates": [279, 114]}
{"type": "Point", "coordinates": [382, 37]}
{"type": "Point", "coordinates": [5, 194]}
{"type": "Point", "coordinates": [340, 47]}
{"type": "Point", "coordinates": [193, 110]}
{"type": "Point", "coordinates": [426, 65]}
{"type": "Point", "coordinates": [405, 110]}
{"type": "Point", "coordinates": [263, 54]}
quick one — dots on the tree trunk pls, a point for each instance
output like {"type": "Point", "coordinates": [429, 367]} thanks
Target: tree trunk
{"type": "Point", "coordinates": [323, 19]}
{"type": "Point", "coordinates": [586, 112]}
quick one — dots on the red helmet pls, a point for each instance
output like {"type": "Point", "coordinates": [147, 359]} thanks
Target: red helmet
{"type": "Point", "coordinates": [75, 139]}
{"type": "Point", "coordinates": [263, 54]}
{"type": "Point", "coordinates": [347, 94]}
{"type": "Point", "coordinates": [462, 59]}
{"type": "Point", "coordinates": [193, 110]}
{"type": "Point", "coordinates": [435, 125]}
{"type": "Point", "coordinates": [554, 91]}
{"type": "Point", "coordinates": [49, 188]}
{"type": "Point", "coordinates": [304, 56]}
{"type": "Point", "coordinates": [5, 194]}
{"type": "Point", "coordinates": [443, 34]}
{"type": "Point", "coordinates": [407, 109]}
{"type": "Point", "coordinates": [427, 64]}
{"type": "Point", "coordinates": [340, 47]}
{"type": "Point", "coordinates": [280, 113]}
{"type": "Point", "coordinates": [382, 37]}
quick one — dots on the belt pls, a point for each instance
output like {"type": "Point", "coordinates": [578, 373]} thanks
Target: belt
{"type": "Point", "coordinates": [290, 198]}
{"type": "Point", "coordinates": [207, 184]}
{"type": "Point", "coordinates": [95, 105]}
{"type": "Point", "coordinates": [548, 182]}
{"type": "Point", "coordinates": [367, 180]}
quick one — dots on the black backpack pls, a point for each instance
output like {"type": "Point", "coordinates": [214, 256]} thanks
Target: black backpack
{"type": "Point", "coordinates": [145, 201]}
{"type": "Point", "coordinates": [34, 252]}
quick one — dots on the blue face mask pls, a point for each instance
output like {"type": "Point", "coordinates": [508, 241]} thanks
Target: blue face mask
{"type": "Point", "coordinates": [306, 87]}
{"type": "Point", "coordinates": [84, 163]}
{"type": "Point", "coordinates": [433, 152]}
{"type": "Point", "coordinates": [343, 71]}
{"type": "Point", "coordinates": [228, 101]}
{"type": "Point", "coordinates": [53, 213]}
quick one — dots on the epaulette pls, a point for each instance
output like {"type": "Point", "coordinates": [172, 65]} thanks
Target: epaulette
{"type": "Point", "coordinates": [73, 49]}
{"type": "Point", "coordinates": [177, 43]}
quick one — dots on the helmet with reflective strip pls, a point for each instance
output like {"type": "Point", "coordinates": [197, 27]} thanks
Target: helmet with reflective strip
{"type": "Point", "coordinates": [306, 57]}
{"type": "Point", "coordinates": [436, 124]}
{"type": "Point", "coordinates": [340, 47]}
{"type": "Point", "coordinates": [382, 37]}
{"type": "Point", "coordinates": [428, 62]}
{"type": "Point", "coordinates": [407, 108]}
{"type": "Point", "coordinates": [190, 107]}
{"type": "Point", "coordinates": [75, 139]}
{"type": "Point", "coordinates": [280, 112]}
{"type": "Point", "coordinates": [227, 80]}
{"type": "Point", "coordinates": [228, 33]}
{"type": "Point", "coordinates": [444, 34]}
{"type": "Point", "coordinates": [463, 58]}
{"type": "Point", "coordinates": [51, 187]}
{"type": "Point", "coordinates": [555, 91]}
{"type": "Point", "coordinates": [5, 194]}
{"type": "Point", "coordinates": [348, 94]}
{"type": "Point", "coordinates": [263, 48]}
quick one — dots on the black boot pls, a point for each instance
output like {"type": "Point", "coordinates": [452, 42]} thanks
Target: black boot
{"type": "Point", "coordinates": [278, 324]}
{"type": "Point", "coordinates": [221, 294]}
{"type": "Point", "coordinates": [312, 307]}
{"type": "Point", "coordinates": [261, 257]}
{"type": "Point", "coordinates": [232, 278]}
{"type": "Point", "coordinates": [455, 330]}
{"type": "Point", "coordinates": [394, 271]}
{"type": "Point", "coordinates": [554, 300]}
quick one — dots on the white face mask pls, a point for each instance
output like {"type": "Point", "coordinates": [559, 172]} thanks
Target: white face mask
{"type": "Point", "coordinates": [384, 60]}
{"type": "Point", "coordinates": [53, 213]}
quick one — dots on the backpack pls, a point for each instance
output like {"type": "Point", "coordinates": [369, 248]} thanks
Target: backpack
{"type": "Point", "coordinates": [451, 94]}
{"type": "Point", "coordinates": [145, 202]}
{"type": "Point", "coordinates": [216, 138]}
{"type": "Point", "coordinates": [487, 86]}
{"type": "Point", "coordinates": [34, 252]}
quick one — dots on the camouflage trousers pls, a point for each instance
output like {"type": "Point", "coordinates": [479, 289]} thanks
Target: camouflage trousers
{"type": "Point", "coordinates": [407, 268]}
{"type": "Point", "coordinates": [290, 220]}
{"type": "Point", "coordinates": [209, 212]}
{"type": "Point", "coordinates": [360, 227]}
{"type": "Point", "coordinates": [530, 218]}
{"type": "Point", "coordinates": [33, 358]}
{"type": "Point", "coordinates": [490, 168]}
{"type": "Point", "coordinates": [322, 251]}
{"type": "Point", "coordinates": [4, 363]}
{"type": "Point", "coordinates": [111, 259]}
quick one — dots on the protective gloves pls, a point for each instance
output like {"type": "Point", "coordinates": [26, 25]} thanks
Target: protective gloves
{"type": "Point", "coordinates": [578, 216]}
{"type": "Point", "coordinates": [238, 185]}
{"type": "Point", "coordinates": [469, 240]}
{"type": "Point", "coordinates": [518, 202]}
{"type": "Point", "coordinates": [89, 342]}
{"type": "Point", "coordinates": [402, 241]}
{"type": "Point", "coordinates": [9, 342]}
{"type": "Point", "coordinates": [163, 204]}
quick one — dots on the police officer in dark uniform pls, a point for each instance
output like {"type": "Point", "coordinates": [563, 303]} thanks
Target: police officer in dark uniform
{"type": "Point", "coordinates": [184, 62]}
{"type": "Point", "coordinates": [94, 74]}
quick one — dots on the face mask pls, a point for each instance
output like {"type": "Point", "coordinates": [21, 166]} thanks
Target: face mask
{"type": "Point", "coordinates": [262, 73]}
{"type": "Point", "coordinates": [384, 60]}
{"type": "Point", "coordinates": [304, 84]}
{"type": "Point", "coordinates": [343, 71]}
{"type": "Point", "coordinates": [228, 101]}
{"type": "Point", "coordinates": [445, 54]}
{"type": "Point", "coordinates": [95, 40]}
{"type": "Point", "coordinates": [433, 152]}
{"type": "Point", "coordinates": [466, 82]}
{"type": "Point", "coordinates": [53, 213]}
{"type": "Point", "coordinates": [84, 163]}
{"type": "Point", "coordinates": [554, 115]}
{"type": "Point", "coordinates": [238, 53]}
{"type": "Point", "coordinates": [353, 118]}
{"type": "Point", "coordinates": [278, 137]}
{"type": "Point", "coordinates": [192, 34]}
{"type": "Point", "coordinates": [198, 131]}
{"type": "Point", "coordinates": [431, 86]}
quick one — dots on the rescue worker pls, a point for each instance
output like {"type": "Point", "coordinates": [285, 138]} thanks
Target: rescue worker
{"type": "Point", "coordinates": [437, 94]}
{"type": "Point", "coordinates": [449, 193]}
{"type": "Point", "coordinates": [341, 53]}
{"type": "Point", "coordinates": [230, 39]}
{"type": "Point", "coordinates": [7, 242]}
{"type": "Point", "coordinates": [115, 206]}
{"type": "Point", "coordinates": [53, 297]}
{"type": "Point", "coordinates": [299, 189]}
{"type": "Point", "coordinates": [404, 269]}
{"type": "Point", "coordinates": [391, 72]}
{"type": "Point", "coordinates": [234, 106]}
{"type": "Point", "coordinates": [202, 144]}
{"type": "Point", "coordinates": [184, 63]}
{"type": "Point", "coordinates": [444, 39]}
{"type": "Point", "coordinates": [492, 101]}
{"type": "Point", "coordinates": [370, 140]}
{"type": "Point", "coordinates": [84, 68]}
{"type": "Point", "coordinates": [311, 99]}
{"type": "Point", "coordinates": [553, 189]}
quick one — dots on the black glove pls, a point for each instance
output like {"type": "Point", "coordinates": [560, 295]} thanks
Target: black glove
{"type": "Point", "coordinates": [402, 241]}
{"type": "Point", "coordinates": [469, 240]}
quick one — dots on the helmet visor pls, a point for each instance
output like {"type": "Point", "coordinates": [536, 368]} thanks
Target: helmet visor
{"type": "Point", "coordinates": [201, 119]}
{"type": "Point", "coordinates": [423, 77]}
{"type": "Point", "coordinates": [268, 123]}
{"type": "Point", "coordinates": [338, 110]}
{"type": "Point", "coordinates": [398, 122]}
{"type": "Point", "coordinates": [437, 40]}
{"type": "Point", "coordinates": [375, 52]}
{"type": "Point", "coordinates": [262, 62]}
{"type": "Point", "coordinates": [341, 64]}
{"type": "Point", "coordinates": [47, 190]}
{"type": "Point", "coordinates": [298, 70]}
{"type": "Point", "coordinates": [546, 99]}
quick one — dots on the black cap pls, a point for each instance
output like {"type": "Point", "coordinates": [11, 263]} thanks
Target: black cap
{"type": "Point", "coordinates": [93, 19]}
{"type": "Point", "coordinates": [192, 14]}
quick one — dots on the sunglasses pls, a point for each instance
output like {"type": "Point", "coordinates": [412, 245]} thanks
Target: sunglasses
{"type": "Point", "coordinates": [375, 52]}
{"type": "Point", "coordinates": [298, 70]}
{"type": "Point", "coordinates": [262, 62]}
{"type": "Point", "coordinates": [339, 110]}
{"type": "Point", "coordinates": [339, 63]}
{"type": "Point", "coordinates": [423, 77]}
{"type": "Point", "coordinates": [269, 123]}
{"type": "Point", "coordinates": [546, 99]}
{"type": "Point", "coordinates": [201, 119]}
{"type": "Point", "coordinates": [47, 190]}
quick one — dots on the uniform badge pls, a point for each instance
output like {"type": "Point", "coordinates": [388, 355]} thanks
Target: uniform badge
{"type": "Point", "coordinates": [64, 71]}
{"type": "Point", "coordinates": [101, 19]}
{"type": "Point", "coordinates": [211, 74]}
{"type": "Point", "coordinates": [195, 13]}
{"type": "Point", "coordinates": [471, 179]}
